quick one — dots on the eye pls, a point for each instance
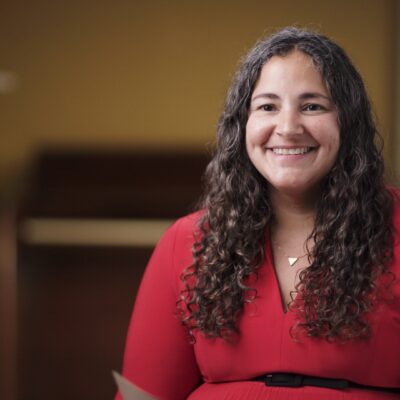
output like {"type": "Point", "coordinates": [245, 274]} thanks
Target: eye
{"type": "Point", "coordinates": [313, 107]}
{"type": "Point", "coordinates": [267, 107]}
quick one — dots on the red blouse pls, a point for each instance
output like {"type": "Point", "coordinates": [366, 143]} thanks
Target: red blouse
{"type": "Point", "coordinates": [160, 360]}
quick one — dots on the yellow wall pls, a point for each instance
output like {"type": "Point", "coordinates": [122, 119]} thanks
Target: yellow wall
{"type": "Point", "coordinates": [153, 74]}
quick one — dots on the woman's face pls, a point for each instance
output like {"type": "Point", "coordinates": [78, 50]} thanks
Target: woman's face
{"type": "Point", "coordinates": [292, 132]}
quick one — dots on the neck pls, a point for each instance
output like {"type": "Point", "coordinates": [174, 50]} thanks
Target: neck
{"type": "Point", "coordinates": [293, 214]}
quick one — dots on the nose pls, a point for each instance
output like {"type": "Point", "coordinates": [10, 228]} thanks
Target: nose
{"type": "Point", "coordinates": [289, 123]}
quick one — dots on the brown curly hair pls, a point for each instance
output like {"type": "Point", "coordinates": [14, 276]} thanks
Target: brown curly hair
{"type": "Point", "coordinates": [353, 231]}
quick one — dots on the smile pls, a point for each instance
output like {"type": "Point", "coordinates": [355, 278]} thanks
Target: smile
{"type": "Point", "coordinates": [291, 151]}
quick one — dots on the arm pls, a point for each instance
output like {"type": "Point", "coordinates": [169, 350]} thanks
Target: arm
{"type": "Point", "coordinates": [158, 356]}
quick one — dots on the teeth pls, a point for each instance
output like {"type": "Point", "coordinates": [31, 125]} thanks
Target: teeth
{"type": "Point", "coordinates": [300, 150]}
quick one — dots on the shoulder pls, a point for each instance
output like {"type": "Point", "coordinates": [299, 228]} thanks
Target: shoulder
{"type": "Point", "coordinates": [173, 253]}
{"type": "Point", "coordinates": [395, 193]}
{"type": "Point", "coordinates": [181, 228]}
{"type": "Point", "coordinates": [189, 223]}
{"type": "Point", "coordinates": [185, 229]}
{"type": "Point", "coordinates": [395, 264]}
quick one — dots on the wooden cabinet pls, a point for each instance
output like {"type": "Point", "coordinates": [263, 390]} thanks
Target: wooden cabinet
{"type": "Point", "coordinates": [74, 298]}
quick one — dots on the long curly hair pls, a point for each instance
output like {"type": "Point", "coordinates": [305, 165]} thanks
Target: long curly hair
{"type": "Point", "coordinates": [353, 231]}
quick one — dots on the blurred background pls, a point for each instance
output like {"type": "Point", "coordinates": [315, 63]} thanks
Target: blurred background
{"type": "Point", "coordinates": [107, 117]}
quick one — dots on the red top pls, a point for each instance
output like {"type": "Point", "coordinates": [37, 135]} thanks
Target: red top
{"type": "Point", "coordinates": [160, 360]}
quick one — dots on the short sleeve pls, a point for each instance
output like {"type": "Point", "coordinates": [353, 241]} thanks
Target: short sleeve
{"type": "Point", "coordinates": [159, 357]}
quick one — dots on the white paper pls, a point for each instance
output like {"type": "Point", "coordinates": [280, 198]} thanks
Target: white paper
{"type": "Point", "coordinates": [128, 390]}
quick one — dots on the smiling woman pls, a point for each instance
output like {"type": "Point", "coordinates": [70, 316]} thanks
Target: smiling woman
{"type": "Point", "coordinates": [285, 284]}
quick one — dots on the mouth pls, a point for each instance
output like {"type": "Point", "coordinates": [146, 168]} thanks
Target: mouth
{"type": "Point", "coordinates": [292, 150]}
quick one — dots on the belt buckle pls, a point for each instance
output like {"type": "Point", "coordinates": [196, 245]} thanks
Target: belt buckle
{"type": "Point", "coordinates": [286, 380]}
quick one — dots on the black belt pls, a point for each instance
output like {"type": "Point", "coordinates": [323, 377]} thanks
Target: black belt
{"type": "Point", "coordinates": [295, 380]}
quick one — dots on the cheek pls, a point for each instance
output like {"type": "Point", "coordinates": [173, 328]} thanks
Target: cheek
{"type": "Point", "coordinates": [334, 141]}
{"type": "Point", "coordinates": [333, 144]}
{"type": "Point", "coordinates": [330, 134]}
{"type": "Point", "coordinates": [257, 132]}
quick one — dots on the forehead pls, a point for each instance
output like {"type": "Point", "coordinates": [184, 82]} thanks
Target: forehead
{"type": "Point", "coordinates": [294, 71]}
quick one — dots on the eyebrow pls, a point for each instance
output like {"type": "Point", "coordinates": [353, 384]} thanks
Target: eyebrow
{"type": "Point", "coordinates": [303, 96]}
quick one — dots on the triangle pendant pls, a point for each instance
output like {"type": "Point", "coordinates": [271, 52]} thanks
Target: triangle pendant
{"type": "Point", "coordinates": [292, 260]}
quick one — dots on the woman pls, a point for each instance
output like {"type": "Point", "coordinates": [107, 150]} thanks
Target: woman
{"type": "Point", "coordinates": [286, 281]}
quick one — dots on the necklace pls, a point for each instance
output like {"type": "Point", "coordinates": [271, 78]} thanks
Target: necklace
{"type": "Point", "coordinates": [291, 260]}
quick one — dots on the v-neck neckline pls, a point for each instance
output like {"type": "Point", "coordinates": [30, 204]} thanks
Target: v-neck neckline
{"type": "Point", "coordinates": [284, 309]}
